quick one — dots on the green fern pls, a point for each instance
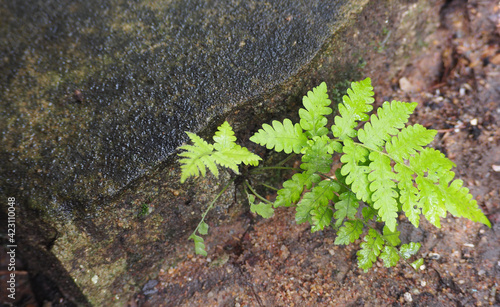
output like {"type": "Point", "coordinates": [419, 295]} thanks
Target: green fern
{"type": "Point", "coordinates": [386, 169]}
{"type": "Point", "coordinates": [225, 152]}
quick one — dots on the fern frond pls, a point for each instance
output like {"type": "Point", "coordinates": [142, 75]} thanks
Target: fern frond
{"type": "Point", "coordinates": [370, 250]}
{"type": "Point", "coordinates": [389, 119]}
{"type": "Point", "coordinates": [228, 153]}
{"type": "Point", "coordinates": [263, 209]}
{"type": "Point", "coordinates": [408, 141]}
{"type": "Point", "coordinates": [312, 118]}
{"type": "Point", "coordinates": [353, 169]}
{"type": "Point", "coordinates": [346, 207]}
{"type": "Point", "coordinates": [350, 232]}
{"type": "Point", "coordinates": [293, 187]}
{"type": "Point", "coordinates": [430, 165]}
{"type": "Point", "coordinates": [439, 192]}
{"type": "Point", "coordinates": [390, 256]}
{"type": "Point", "coordinates": [357, 103]}
{"type": "Point", "coordinates": [199, 246]}
{"type": "Point", "coordinates": [197, 157]}
{"type": "Point", "coordinates": [459, 202]}
{"type": "Point", "coordinates": [384, 188]}
{"type": "Point", "coordinates": [317, 156]}
{"type": "Point", "coordinates": [410, 249]}
{"type": "Point", "coordinates": [314, 206]}
{"type": "Point", "coordinates": [281, 136]}
{"type": "Point", "coordinates": [224, 152]}
{"type": "Point", "coordinates": [391, 236]}
{"type": "Point", "coordinates": [224, 137]}
{"type": "Point", "coordinates": [233, 157]}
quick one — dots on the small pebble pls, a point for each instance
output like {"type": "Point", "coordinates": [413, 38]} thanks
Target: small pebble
{"type": "Point", "coordinates": [473, 122]}
{"type": "Point", "coordinates": [434, 256]}
{"type": "Point", "coordinates": [408, 297]}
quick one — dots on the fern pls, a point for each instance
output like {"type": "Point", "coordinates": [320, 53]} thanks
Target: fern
{"type": "Point", "coordinates": [281, 136]}
{"type": "Point", "coordinates": [386, 169]}
{"type": "Point", "coordinates": [224, 152]}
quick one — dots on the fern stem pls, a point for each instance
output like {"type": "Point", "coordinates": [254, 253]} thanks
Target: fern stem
{"type": "Point", "coordinates": [286, 159]}
{"type": "Point", "coordinates": [255, 193]}
{"type": "Point", "coordinates": [268, 186]}
{"type": "Point", "coordinates": [212, 204]}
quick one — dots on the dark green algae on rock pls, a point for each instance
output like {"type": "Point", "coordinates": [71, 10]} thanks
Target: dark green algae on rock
{"type": "Point", "coordinates": [95, 98]}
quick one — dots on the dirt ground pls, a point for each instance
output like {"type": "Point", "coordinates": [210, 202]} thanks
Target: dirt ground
{"type": "Point", "coordinates": [274, 262]}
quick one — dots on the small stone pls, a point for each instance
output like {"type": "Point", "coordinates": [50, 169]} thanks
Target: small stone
{"type": "Point", "coordinates": [408, 297]}
{"type": "Point", "coordinates": [284, 252]}
{"type": "Point", "coordinates": [95, 279]}
{"type": "Point", "coordinates": [434, 256]}
{"type": "Point", "coordinates": [461, 281]}
{"type": "Point", "coordinates": [473, 122]}
{"type": "Point", "coordinates": [496, 168]}
{"type": "Point", "coordinates": [405, 84]}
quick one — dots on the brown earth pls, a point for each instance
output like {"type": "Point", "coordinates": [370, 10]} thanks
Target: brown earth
{"type": "Point", "coordinates": [274, 262]}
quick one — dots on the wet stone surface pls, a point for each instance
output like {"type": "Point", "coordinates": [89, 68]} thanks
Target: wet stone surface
{"type": "Point", "coordinates": [94, 94]}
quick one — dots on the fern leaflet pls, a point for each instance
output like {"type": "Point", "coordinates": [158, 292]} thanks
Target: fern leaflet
{"type": "Point", "coordinates": [408, 141]}
{"type": "Point", "coordinates": [199, 245]}
{"type": "Point", "coordinates": [350, 232]}
{"type": "Point", "coordinates": [346, 207]}
{"type": "Point", "coordinates": [389, 119]}
{"type": "Point", "coordinates": [263, 209]}
{"type": "Point", "coordinates": [356, 173]}
{"type": "Point", "coordinates": [312, 118]}
{"type": "Point", "coordinates": [314, 206]}
{"type": "Point", "coordinates": [197, 156]}
{"type": "Point", "coordinates": [224, 152]}
{"type": "Point", "coordinates": [357, 103]}
{"type": "Point", "coordinates": [370, 249]}
{"type": "Point", "coordinates": [383, 186]}
{"type": "Point", "coordinates": [281, 136]}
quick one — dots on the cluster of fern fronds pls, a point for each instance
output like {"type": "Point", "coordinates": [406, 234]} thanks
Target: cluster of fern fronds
{"type": "Point", "coordinates": [386, 169]}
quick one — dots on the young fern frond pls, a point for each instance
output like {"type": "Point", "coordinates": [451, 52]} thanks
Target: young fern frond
{"type": "Point", "coordinates": [385, 168]}
{"type": "Point", "coordinates": [225, 152]}
{"type": "Point", "coordinates": [196, 158]}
